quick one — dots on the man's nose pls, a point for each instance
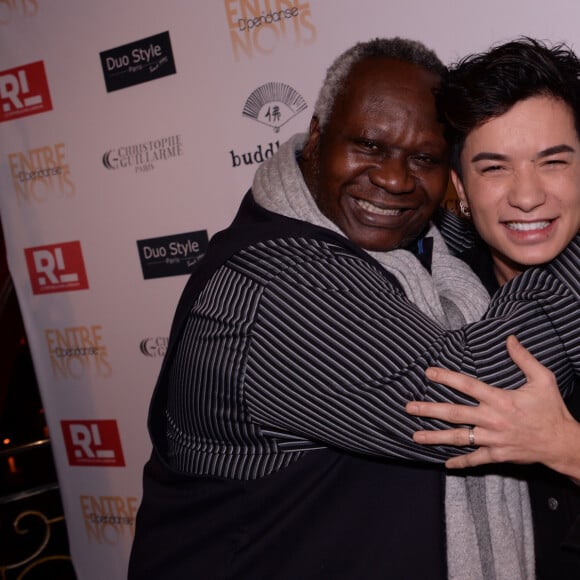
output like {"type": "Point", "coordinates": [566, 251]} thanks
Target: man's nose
{"type": "Point", "coordinates": [392, 175]}
{"type": "Point", "coordinates": [526, 192]}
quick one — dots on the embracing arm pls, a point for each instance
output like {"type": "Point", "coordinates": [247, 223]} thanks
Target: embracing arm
{"type": "Point", "coordinates": [527, 425]}
{"type": "Point", "coordinates": [337, 352]}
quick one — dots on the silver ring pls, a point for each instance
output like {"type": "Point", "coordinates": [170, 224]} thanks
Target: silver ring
{"type": "Point", "coordinates": [471, 436]}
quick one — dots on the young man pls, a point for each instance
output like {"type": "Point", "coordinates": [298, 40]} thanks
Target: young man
{"type": "Point", "coordinates": [303, 334]}
{"type": "Point", "coordinates": [515, 115]}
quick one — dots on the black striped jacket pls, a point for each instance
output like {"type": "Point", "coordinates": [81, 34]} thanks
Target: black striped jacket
{"type": "Point", "coordinates": [300, 342]}
{"type": "Point", "coordinates": [291, 358]}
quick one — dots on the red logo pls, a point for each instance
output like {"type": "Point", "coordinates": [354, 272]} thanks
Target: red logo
{"type": "Point", "coordinates": [93, 443]}
{"type": "Point", "coordinates": [56, 268]}
{"type": "Point", "coordinates": [24, 91]}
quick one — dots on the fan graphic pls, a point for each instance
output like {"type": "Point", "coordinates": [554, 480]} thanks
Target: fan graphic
{"type": "Point", "coordinates": [274, 104]}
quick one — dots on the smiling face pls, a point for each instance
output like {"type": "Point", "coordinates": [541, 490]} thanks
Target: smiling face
{"type": "Point", "coordinates": [379, 168]}
{"type": "Point", "coordinates": [521, 181]}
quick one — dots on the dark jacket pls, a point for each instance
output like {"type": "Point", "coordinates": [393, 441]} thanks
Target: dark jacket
{"type": "Point", "coordinates": [555, 499]}
{"type": "Point", "coordinates": [328, 515]}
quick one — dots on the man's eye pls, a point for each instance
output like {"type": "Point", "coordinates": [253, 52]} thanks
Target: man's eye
{"type": "Point", "coordinates": [426, 159]}
{"type": "Point", "coordinates": [367, 144]}
{"type": "Point", "coordinates": [492, 168]}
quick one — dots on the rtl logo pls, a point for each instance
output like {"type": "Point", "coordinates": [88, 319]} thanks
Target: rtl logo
{"type": "Point", "coordinates": [24, 91]}
{"type": "Point", "coordinates": [93, 443]}
{"type": "Point", "coordinates": [56, 268]}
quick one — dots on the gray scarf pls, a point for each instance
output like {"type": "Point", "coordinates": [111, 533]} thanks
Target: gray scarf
{"type": "Point", "coordinates": [488, 518]}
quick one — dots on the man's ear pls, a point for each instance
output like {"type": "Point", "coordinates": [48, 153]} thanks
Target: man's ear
{"type": "Point", "coordinates": [458, 185]}
{"type": "Point", "coordinates": [313, 141]}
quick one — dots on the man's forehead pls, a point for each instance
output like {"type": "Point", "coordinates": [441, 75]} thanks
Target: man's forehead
{"type": "Point", "coordinates": [378, 70]}
{"type": "Point", "coordinates": [387, 79]}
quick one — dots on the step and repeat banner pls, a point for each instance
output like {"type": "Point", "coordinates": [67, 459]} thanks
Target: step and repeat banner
{"type": "Point", "coordinates": [129, 132]}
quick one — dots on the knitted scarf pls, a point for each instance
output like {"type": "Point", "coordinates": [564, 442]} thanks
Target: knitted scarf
{"type": "Point", "coordinates": [488, 518]}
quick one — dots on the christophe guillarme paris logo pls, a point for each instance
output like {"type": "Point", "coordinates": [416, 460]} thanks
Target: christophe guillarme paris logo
{"type": "Point", "coordinates": [274, 104]}
{"type": "Point", "coordinates": [142, 157]}
{"type": "Point", "coordinates": [171, 255]}
{"type": "Point", "coordinates": [154, 346]}
{"type": "Point", "coordinates": [138, 62]}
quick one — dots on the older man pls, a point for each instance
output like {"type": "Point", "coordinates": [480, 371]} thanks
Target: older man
{"type": "Point", "coordinates": [305, 331]}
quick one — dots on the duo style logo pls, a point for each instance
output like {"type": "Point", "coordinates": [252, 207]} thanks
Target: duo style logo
{"type": "Point", "coordinates": [138, 62]}
{"type": "Point", "coordinates": [24, 91]}
{"type": "Point", "coordinates": [171, 255]}
{"type": "Point", "coordinates": [274, 104]}
{"type": "Point", "coordinates": [56, 268]}
{"type": "Point", "coordinates": [93, 443]}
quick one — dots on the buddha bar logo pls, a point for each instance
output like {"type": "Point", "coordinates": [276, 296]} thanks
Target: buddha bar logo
{"type": "Point", "coordinates": [258, 27]}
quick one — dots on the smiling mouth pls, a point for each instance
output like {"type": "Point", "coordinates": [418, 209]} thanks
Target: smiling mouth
{"type": "Point", "coordinates": [528, 226]}
{"type": "Point", "coordinates": [372, 208]}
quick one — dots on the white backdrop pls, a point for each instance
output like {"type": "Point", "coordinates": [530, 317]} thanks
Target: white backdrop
{"type": "Point", "coordinates": [108, 197]}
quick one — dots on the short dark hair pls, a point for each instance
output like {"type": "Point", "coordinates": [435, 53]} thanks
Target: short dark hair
{"type": "Point", "coordinates": [486, 85]}
{"type": "Point", "coordinates": [410, 51]}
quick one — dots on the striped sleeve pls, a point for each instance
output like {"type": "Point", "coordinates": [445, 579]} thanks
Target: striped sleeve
{"type": "Point", "coordinates": [298, 344]}
{"type": "Point", "coordinates": [336, 351]}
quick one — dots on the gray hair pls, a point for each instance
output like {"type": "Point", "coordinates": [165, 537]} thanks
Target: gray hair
{"type": "Point", "coordinates": [410, 51]}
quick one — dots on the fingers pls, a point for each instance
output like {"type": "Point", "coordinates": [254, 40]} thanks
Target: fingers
{"type": "Point", "coordinates": [456, 437]}
{"type": "Point", "coordinates": [465, 384]}
{"type": "Point", "coordinates": [480, 456]}
{"type": "Point", "coordinates": [449, 412]}
{"type": "Point", "coordinates": [526, 362]}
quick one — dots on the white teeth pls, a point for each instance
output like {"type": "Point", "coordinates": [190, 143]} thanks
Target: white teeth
{"type": "Point", "coordinates": [527, 226]}
{"type": "Point", "coordinates": [371, 207]}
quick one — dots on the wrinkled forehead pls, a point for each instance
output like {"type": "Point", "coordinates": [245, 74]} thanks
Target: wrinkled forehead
{"type": "Point", "coordinates": [391, 74]}
{"type": "Point", "coordinates": [389, 81]}
{"type": "Point", "coordinates": [389, 95]}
